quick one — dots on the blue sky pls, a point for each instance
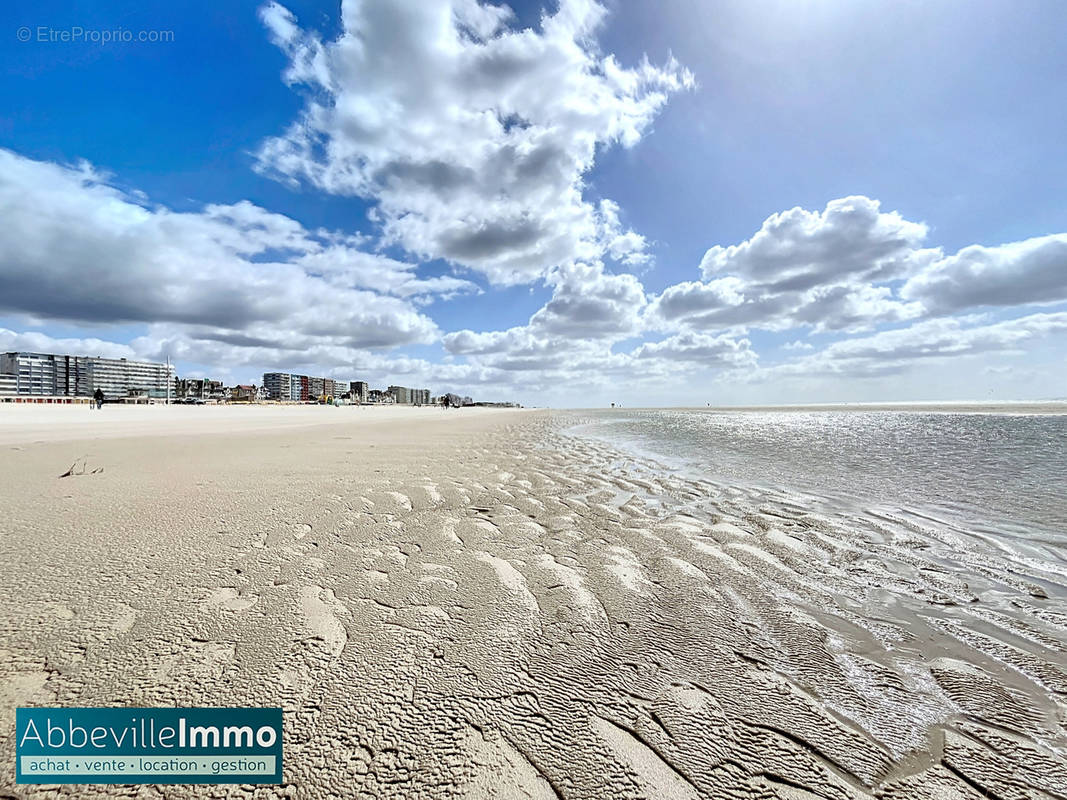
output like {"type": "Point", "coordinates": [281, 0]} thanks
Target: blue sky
{"type": "Point", "coordinates": [451, 195]}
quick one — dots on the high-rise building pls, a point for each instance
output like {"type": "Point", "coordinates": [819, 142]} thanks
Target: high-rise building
{"type": "Point", "coordinates": [9, 385]}
{"type": "Point", "coordinates": [62, 375]}
{"type": "Point", "coordinates": [278, 385]}
{"type": "Point", "coordinates": [401, 394]}
{"type": "Point", "coordinates": [359, 390]}
{"type": "Point", "coordinates": [315, 388]}
{"type": "Point", "coordinates": [45, 374]}
{"type": "Point", "coordinates": [118, 377]}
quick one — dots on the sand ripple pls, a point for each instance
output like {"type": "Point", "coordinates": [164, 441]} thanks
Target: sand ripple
{"type": "Point", "coordinates": [508, 610]}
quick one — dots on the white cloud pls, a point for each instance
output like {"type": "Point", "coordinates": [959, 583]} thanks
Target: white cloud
{"type": "Point", "coordinates": [839, 271]}
{"type": "Point", "coordinates": [702, 349]}
{"type": "Point", "coordinates": [37, 342]}
{"type": "Point", "coordinates": [852, 267]}
{"type": "Point", "coordinates": [560, 362]}
{"type": "Point", "coordinates": [730, 303]}
{"type": "Point", "coordinates": [825, 270]}
{"type": "Point", "coordinates": [797, 250]}
{"type": "Point", "coordinates": [74, 248]}
{"type": "Point", "coordinates": [894, 351]}
{"type": "Point", "coordinates": [589, 303]}
{"type": "Point", "coordinates": [472, 137]}
{"type": "Point", "coordinates": [1033, 271]}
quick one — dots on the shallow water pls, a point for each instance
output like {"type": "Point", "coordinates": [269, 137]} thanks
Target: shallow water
{"type": "Point", "coordinates": [908, 569]}
{"type": "Point", "coordinates": [993, 473]}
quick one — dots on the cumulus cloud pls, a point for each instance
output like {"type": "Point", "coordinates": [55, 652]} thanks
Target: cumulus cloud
{"type": "Point", "coordinates": [471, 136]}
{"type": "Point", "coordinates": [729, 302]}
{"type": "Point", "coordinates": [825, 270]}
{"type": "Point", "coordinates": [853, 267]}
{"type": "Point", "coordinates": [529, 357]}
{"type": "Point", "coordinates": [1033, 271]}
{"type": "Point", "coordinates": [797, 250]}
{"type": "Point", "coordinates": [568, 342]}
{"type": "Point", "coordinates": [590, 303]}
{"type": "Point", "coordinates": [560, 361]}
{"type": "Point", "coordinates": [38, 342]}
{"type": "Point", "coordinates": [702, 349]}
{"type": "Point", "coordinates": [894, 351]}
{"type": "Point", "coordinates": [74, 248]}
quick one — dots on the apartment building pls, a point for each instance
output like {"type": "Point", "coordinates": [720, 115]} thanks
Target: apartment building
{"type": "Point", "coordinates": [278, 385]}
{"type": "Point", "coordinates": [55, 375]}
{"type": "Point", "coordinates": [119, 377]}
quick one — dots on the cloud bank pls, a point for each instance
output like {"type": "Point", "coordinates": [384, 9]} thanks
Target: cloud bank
{"type": "Point", "coordinates": [472, 137]}
{"type": "Point", "coordinates": [472, 141]}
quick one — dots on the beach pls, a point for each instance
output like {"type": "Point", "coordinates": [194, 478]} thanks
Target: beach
{"type": "Point", "coordinates": [487, 603]}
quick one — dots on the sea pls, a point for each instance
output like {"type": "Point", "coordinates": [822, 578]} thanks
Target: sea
{"type": "Point", "coordinates": [1000, 472]}
{"type": "Point", "coordinates": [925, 547]}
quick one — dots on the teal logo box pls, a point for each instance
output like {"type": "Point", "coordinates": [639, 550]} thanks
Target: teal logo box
{"type": "Point", "coordinates": [148, 745]}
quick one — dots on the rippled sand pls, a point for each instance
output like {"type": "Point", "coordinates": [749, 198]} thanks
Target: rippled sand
{"type": "Point", "coordinates": [481, 605]}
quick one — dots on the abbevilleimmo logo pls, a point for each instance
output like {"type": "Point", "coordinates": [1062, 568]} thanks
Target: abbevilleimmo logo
{"type": "Point", "coordinates": [148, 745]}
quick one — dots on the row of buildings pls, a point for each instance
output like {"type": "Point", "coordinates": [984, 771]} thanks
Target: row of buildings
{"type": "Point", "coordinates": [285, 386]}
{"type": "Point", "coordinates": [49, 377]}
{"type": "Point", "coordinates": [25, 374]}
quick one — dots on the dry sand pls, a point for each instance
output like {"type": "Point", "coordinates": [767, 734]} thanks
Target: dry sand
{"type": "Point", "coordinates": [22, 423]}
{"type": "Point", "coordinates": [475, 604]}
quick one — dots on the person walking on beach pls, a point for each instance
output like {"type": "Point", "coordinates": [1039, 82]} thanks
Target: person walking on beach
{"type": "Point", "coordinates": [98, 396]}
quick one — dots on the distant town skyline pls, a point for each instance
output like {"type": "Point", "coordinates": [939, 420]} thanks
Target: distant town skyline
{"type": "Point", "coordinates": [568, 204]}
{"type": "Point", "coordinates": [35, 377]}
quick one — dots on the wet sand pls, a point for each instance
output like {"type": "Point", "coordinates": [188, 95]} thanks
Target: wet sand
{"type": "Point", "coordinates": [962, 407]}
{"type": "Point", "coordinates": [479, 604]}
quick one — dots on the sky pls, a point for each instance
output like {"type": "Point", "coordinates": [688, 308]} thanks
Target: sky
{"type": "Point", "coordinates": [570, 204]}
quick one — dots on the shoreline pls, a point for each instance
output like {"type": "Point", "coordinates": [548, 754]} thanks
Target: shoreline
{"type": "Point", "coordinates": [486, 606]}
{"type": "Point", "coordinates": [1021, 407]}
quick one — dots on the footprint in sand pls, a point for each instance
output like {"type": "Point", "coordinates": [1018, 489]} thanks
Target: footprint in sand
{"type": "Point", "coordinates": [403, 502]}
{"type": "Point", "coordinates": [447, 530]}
{"type": "Point", "coordinates": [230, 599]}
{"type": "Point", "coordinates": [124, 619]}
{"type": "Point", "coordinates": [59, 610]}
{"type": "Point", "coordinates": [321, 607]}
{"type": "Point", "coordinates": [214, 657]}
{"type": "Point", "coordinates": [294, 685]}
{"type": "Point", "coordinates": [20, 688]}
